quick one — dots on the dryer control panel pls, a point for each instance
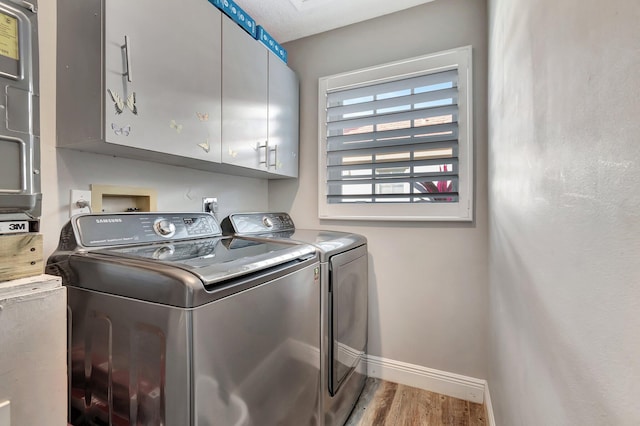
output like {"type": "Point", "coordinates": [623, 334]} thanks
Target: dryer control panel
{"type": "Point", "coordinates": [257, 223]}
{"type": "Point", "coordinates": [102, 230]}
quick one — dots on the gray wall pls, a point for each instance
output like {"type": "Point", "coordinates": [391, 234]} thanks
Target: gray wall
{"type": "Point", "coordinates": [428, 281]}
{"type": "Point", "coordinates": [564, 126]}
{"type": "Point", "coordinates": [179, 188]}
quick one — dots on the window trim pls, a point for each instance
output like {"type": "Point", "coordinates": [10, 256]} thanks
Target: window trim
{"type": "Point", "coordinates": [460, 58]}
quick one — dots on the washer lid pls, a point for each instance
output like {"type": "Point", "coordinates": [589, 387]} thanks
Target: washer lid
{"type": "Point", "coordinates": [176, 259]}
{"type": "Point", "coordinates": [213, 260]}
{"type": "Point", "coordinates": [183, 274]}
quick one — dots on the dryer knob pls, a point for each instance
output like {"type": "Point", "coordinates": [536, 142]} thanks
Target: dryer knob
{"type": "Point", "coordinates": [165, 228]}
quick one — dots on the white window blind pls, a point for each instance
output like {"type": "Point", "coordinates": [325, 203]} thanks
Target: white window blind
{"type": "Point", "coordinates": [396, 142]}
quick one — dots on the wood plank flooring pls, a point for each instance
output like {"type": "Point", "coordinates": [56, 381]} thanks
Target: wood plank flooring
{"type": "Point", "coordinates": [385, 403]}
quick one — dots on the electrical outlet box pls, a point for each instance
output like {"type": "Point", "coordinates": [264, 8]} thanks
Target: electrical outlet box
{"type": "Point", "coordinates": [79, 202]}
{"type": "Point", "coordinates": [210, 205]}
{"type": "Point", "coordinates": [5, 413]}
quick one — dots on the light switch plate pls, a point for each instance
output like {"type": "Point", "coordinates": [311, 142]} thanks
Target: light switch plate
{"type": "Point", "coordinates": [5, 413]}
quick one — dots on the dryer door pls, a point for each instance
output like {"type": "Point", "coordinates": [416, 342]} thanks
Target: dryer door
{"type": "Point", "coordinates": [348, 311]}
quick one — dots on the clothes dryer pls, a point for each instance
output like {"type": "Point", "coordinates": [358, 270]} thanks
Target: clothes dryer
{"type": "Point", "coordinates": [343, 302]}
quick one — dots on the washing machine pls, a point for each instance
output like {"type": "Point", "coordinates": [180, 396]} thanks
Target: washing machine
{"type": "Point", "coordinates": [343, 302]}
{"type": "Point", "coordinates": [170, 323]}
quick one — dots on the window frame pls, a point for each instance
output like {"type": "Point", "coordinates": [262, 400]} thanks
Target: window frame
{"type": "Point", "coordinates": [460, 59]}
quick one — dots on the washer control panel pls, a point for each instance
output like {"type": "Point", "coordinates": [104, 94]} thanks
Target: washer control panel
{"type": "Point", "coordinates": [103, 230]}
{"type": "Point", "coordinates": [257, 223]}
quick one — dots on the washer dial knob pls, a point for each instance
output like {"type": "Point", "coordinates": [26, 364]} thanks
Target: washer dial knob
{"type": "Point", "coordinates": [164, 228]}
{"type": "Point", "coordinates": [267, 222]}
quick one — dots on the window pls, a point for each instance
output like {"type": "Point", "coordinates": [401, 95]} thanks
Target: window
{"type": "Point", "coordinates": [396, 140]}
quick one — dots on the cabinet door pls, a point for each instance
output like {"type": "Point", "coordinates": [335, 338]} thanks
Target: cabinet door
{"type": "Point", "coordinates": [244, 98]}
{"type": "Point", "coordinates": [283, 118]}
{"type": "Point", "coordinates": [170, 100]}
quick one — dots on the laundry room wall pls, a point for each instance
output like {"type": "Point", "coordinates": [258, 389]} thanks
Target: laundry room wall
{"type": "Point", "coordinates": [564, 120]}
{"type": "Point", "coordinates": [428, 280]}
{"type": "Point", "coordinates": [179, 188]}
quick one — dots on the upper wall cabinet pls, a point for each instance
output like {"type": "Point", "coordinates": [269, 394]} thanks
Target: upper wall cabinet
{"type": "Point", "coordinates": [198, 91]}
{"type": "Point", "coordinates": [162, 77]}
{"type": "Point", "coordinates": [282, 155]}
{"type": "Point", "coordinates": [259, 106]}
{"type": "Point", "coordinates": [244, 98]}
{"type": "Point", "coordinates": [157, 91]}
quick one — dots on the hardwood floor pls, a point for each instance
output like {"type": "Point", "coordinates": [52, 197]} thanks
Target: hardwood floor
{"type": "Point", "coordinates": [385, 403]}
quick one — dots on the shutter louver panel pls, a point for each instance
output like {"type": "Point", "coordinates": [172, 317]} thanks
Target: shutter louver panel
{"type": "Point", "coordinates": [446, 77]}
{"type": "Point", "coordinates": [434, 133]}
{"type": "Point", "coordinates": [394, 142]}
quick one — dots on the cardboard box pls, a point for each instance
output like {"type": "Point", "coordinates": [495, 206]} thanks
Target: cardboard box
{"type": "Point", "coordinates": [271, 43]}
{"type": "Point", "coordinates": [236, 13]}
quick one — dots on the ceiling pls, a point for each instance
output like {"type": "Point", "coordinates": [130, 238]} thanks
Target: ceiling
{"type": "Point", "coordinates": [288, 20]}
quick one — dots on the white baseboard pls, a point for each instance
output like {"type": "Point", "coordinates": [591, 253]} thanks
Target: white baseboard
{"type": "Point", "coordinates": [487, 403]}
{"type": "Point", "coordinates": [443, 382]}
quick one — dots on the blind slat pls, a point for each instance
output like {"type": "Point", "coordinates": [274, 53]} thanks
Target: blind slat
{"type": "Point", "coordinates": [415, 194]}
{"type": "Point", "coordinates": [431, 176]}
{"type": "Point", "coordinates": [393, 145]}
{"type": "Point", "coordinates": [391, 164]}
{"type": "Point", "coordinates": [394, 117]}
{"type": "Point", "coordinates": [449, 130]}
{"type": "Point", "coordinates": [442, 197]}
{"type": "Point", "coordinates": [446, 96]}
{"type": "Point", "coordinates": [381, 158]}
{"type": "Point", "coordinates": [337, 96]}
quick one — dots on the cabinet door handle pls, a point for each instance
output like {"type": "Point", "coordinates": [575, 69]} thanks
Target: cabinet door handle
{"type": "Point", "coordinates": [266, 153]}
{"type": "Point", "coordinates": [127, 57]}
{"type": "Point", "coordinates": [275, 157]}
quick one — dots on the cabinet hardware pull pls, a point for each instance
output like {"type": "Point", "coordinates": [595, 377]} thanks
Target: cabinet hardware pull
{"type": "Point", "coordinates": [127, 56]}
{"type": "Point", "coordinates": [275, 157]}
{"type": "Point", "coordinates": [266, 153]}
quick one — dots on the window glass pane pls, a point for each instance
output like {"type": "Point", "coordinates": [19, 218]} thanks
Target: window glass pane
{"type": "Point", "coordinates": [357, 160]}
{"type": "Point", "coordinates": [430, 121]}
{"type": "Point", "coordinates": [391, 170]}
{"type": "Point", "coordinates": [434, 168]}
{"type": "Point", "coordinates": [392, 200]}
{"type": "Point", "coordinates": [434, 153]}
{"type": "Point", "coordinates": [393, 109]}
{"type": "Point", "coordinates": [357, 130]}
{"type": "Point", "coordinates": [357, 100]}
{"type": "Point", "coordinates": [393, 126]}
{"type": "Point", "coordinates": [393, 157]}
{"type": "Point", "coordinates": [439, 102]}
{"type": "Point", "coordinates": [393, 94]}
{"type": "Point", "coordinates": [353, 200]}
{"type": "Point", "coordinates": [392, 188]}
{"type": "Point", "coordinates": [356, 189]}
{"type": "Point", "coordinates": [357, 114]}
{"type": "Point", "coordinates": [433, 87]}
